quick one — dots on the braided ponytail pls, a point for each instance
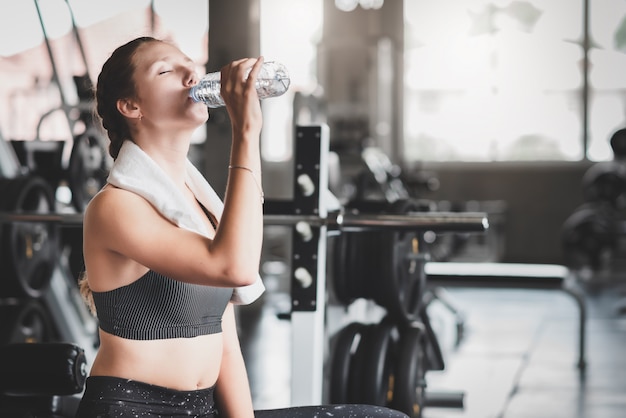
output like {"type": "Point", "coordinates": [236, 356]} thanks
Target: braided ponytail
{"type": "Point", "coordinates": [116, 82]}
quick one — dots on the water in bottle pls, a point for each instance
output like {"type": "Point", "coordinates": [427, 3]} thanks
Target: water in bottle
{"type": "Point", "coordinates": [272, 80]}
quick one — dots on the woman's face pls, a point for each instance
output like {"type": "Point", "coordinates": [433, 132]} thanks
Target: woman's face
{"type": "Point", "coordinates": [163, 76]}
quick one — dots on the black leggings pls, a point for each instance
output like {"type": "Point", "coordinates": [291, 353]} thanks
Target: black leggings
{"type": "Point", "coordinates": [109, 397]}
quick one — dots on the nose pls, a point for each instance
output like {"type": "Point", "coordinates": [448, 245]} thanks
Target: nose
{"type": "Point", "coordinates": [191, 79]}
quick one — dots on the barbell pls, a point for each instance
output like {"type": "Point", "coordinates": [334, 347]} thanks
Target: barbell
{"type": "Point", "coordinates": [427, 221]}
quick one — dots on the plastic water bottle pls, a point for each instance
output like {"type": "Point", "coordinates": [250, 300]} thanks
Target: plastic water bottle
{"type": "Point", "coordinates": [272, 80]}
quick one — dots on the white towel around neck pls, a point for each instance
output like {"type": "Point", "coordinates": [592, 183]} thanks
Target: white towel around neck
{"type": "Point", "coordinates": [136, 171]}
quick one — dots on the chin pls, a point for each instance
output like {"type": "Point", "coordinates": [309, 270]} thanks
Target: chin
{"type": "Point", "coordinates": [201, 114]}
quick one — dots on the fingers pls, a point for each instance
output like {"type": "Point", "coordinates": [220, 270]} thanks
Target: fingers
{"type": "Point", "coordinates": [254, 72]}
{"type": "Point", "coordinates": [238, 89]}
{"type": "Point", "coordinates": [237, 70]}
{"type": "Point", "coordinates": [238, 78]}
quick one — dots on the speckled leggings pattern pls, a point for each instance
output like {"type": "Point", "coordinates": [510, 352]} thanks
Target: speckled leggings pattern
{"type": "Point", "coordinates": [335, 411]}
{"type": "Point", "coordinates": [112, 397]}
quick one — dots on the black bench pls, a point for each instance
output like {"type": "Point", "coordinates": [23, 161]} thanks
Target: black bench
{"type": "Point", "coordinates": [41, 380]}
{"type": "Point", "coordinates": [511, 276]}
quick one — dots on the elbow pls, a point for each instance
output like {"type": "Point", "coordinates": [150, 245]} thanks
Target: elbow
{"type": "Point", "coordinates": [239, 276]}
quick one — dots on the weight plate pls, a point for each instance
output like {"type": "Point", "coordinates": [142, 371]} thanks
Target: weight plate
{"type": "Point", "coordinates": [26, 322]}
{"type": "Point", "coordinates": [29, 249]}
{"type": "Point", "coordinates": [88, 167]}
{"type": "Point", "coordinates": [357, 367]}
{"type": "Point", "coordinates": [347, 341]}
{"type": "Point", "coordinates": [342, 273]}
{"type": "Point", "coordinates": [397, 273]}
{"type": "Point", "coordinates": [377, 383]}
{"type": "Point", "coordinates": [383, 266]}
{"type": "Point", "coordinates": [408, 393]}
{"type": "Point", "coordinates": [433, 357]}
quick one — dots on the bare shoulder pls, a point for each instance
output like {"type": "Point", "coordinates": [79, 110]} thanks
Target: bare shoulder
{"type": "Point", "coordinates": [115, 212]}
{"type": "Point", "coordinates": [113, 203]}
{"type": "Point", "coordinates": [114, 231]}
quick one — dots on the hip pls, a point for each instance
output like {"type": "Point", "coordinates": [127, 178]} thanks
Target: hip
{"type": "Point", "coordinates": [107, 396]}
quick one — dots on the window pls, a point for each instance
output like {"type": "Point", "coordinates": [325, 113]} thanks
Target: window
{"type": "Point", "coordinates": [607, 75]}
{"type": "Point", "coordinates": [290, 31]}
{"type": "Point", "coordinates": [504, 80]}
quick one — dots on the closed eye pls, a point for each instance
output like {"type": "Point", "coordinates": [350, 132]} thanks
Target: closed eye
{"type": "Point", "coordinates": [165, 72]}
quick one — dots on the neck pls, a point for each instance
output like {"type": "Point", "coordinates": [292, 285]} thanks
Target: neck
{"type": "Point", "coordinates": [170, 153]}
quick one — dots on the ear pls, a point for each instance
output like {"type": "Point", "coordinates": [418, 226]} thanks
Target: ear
{"type": "Point", "coordinates": [128, 108]}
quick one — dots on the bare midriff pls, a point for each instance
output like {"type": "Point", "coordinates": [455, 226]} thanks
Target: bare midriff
{"type": "Point", "coordinates": [177, 363]}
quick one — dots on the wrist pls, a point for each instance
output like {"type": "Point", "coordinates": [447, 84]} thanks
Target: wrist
{"type": "Point", "coordinates": [246, 134]}
{"type": "Point", "coordinates": [256, 177]}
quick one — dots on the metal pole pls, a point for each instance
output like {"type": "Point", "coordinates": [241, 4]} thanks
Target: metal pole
{"type": "Point", "coordinates": [428, 221]}
{"type": "Point", "coordinates": [585, 92]}
{"type": "Point", "coordinates": [55, 74]}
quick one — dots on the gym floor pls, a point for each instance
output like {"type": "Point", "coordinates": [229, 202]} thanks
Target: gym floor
{"type": "Point", "coordinates": [516, 357]}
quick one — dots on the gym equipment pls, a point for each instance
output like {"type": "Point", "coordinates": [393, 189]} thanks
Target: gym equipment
{"type": "Point", "coordinates": [87, 167]}
{"type": "Point", "coordinates": [382, 173]}
{"type": "Point", "coordinates": [589, 236]}
{"type": "Point", "coordinates": [371, 366]}
{"type": "Point", "coordinates": [374, 180]}
{"type": "Point", "coordinates": [367, 366]}
{"type": "Point", "coordinates": [345, 346]}
{"type": "Point", "coordinates": [38, 380]}
{"type": "Point", "coordinates": [24, 321]}
{"type": "Point", "coordinates": [384, 364]}
{"type": "Point", "coordinates": [313, 215]}
{"type": "Point", "coordinates": [41, 158]}
{"type": "Point", "coordinates": [605, 182]}
{"type": "Point", "coordinates": [308, 267]}
{"type": "Point", "coordinates": [383, 266]}
{"type": "Point", "coordinates": [618, 144]}
{"type": "Point", "coordinates": [409, 384]}
{"type": "Point", "coordinates": [513, 276]}
{"type": "Point", "coordinates": [335, 222]}
{"type": "Point", "coordinates": [29, 249]}
{"type": "Point", "coordinates": [42, 368]}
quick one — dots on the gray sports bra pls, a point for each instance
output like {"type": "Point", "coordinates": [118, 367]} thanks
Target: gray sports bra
{"type": "Point", "coordinates": [157, 307]}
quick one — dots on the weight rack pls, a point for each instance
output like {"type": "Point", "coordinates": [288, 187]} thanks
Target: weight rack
{"type": "Point", "coordinates": [313, 214]}
{"type": "Point", "coordinates": [317, 214]}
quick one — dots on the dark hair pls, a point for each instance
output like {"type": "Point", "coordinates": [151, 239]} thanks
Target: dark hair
{"type": "Point", "coordinates": [116, 82]}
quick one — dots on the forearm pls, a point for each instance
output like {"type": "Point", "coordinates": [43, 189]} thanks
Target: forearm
{"type": "Point", "coordinates": [240, 233]}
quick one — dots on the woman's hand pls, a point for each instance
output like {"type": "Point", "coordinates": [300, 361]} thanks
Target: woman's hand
{"type": "Point", "coordinates": [241, 98]}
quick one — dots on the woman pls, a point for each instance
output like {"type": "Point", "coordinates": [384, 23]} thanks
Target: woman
{"type": "Point", "coordinates": [164, 263]}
